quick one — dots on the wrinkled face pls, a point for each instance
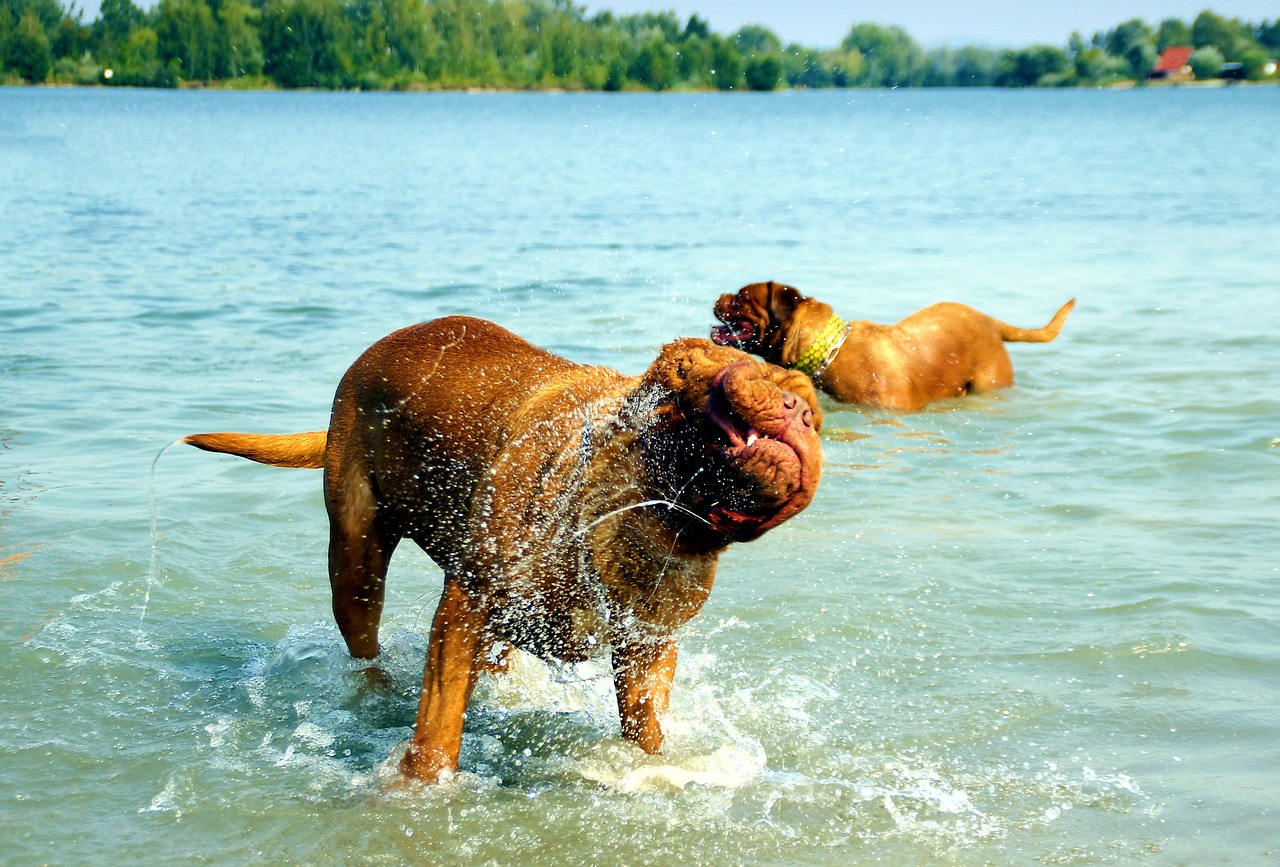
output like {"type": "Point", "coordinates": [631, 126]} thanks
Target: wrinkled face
{"type": "Point", "coordinates": [733, 440]}
{"type": "Point", "coordinates": [752, 318]}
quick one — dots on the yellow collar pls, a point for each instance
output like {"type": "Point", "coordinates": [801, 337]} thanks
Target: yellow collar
{"type": "Point", "coordinates": [814, 360]}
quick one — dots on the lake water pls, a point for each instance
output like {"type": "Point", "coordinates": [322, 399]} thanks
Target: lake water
{"type": "Point", "coordinates": [1039, 626]}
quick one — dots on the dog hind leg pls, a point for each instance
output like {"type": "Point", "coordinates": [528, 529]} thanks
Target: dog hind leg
{"type": "Point", "coordinates": [359, 552]}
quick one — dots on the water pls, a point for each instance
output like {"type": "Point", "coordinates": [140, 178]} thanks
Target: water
{"type": "Point", "coordinates": [1037, 626]}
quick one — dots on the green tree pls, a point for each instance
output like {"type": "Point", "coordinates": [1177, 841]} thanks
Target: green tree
{"type": "Point", "coordinates": [764, 71]}
{"type": "Point", "coordinates": [694, 59]}
{"type": "Point", "coordinates": [466, 53]}
{"type": "Point", "coordinates": [410, 35]}
{"type": "Point", "coordinates": [756, 39]}
{"type": "Point", "coordinates": [189, 36]}
{"type": "Point", "coordinates": [71, 38]}
{"type": "Point", "coordinates": [891, 58]}
{"type": "Point", "coordinates": [1173, 31]}
{"type": "Point", "coordinates": [139, 61]}
{"type": "Point", "coordinates": [560, 49]}
{"type": "Point", "coordinates": [307, 43]}
{"type": "Point", "coordinates": [1135, 42]}
{"type": "Point", "coordinates": [805, 67]}
{"type": "Point", "coordinates": [655, 65]}
{"type": "Point", "coordinates": [1094, 66]}
{"type": "Point", "coordinates": [1206, 62]}
{"type": "Point", "coordinates": [1229, 37]}
{"type": "Point", "coordinates": [971, 66]}
{"type": "Point", "coordinates": [1038, 65]}
{"type": "Point", "coordinates": [6, 34]}
{"type": "Point", "coordinates": [28, 52]}
{"type": "Point", "coordinates": [847, 67]}
{"type": "Point", "coordinates": [609, 72]}
{"type": "Point", "coordinates": [726, 64]}
{"type": "Point", "coordinates": [48, 12]}
{"type": "Point", "coordinates": [117, 19]}
{"type": "Point", "coordinates": [240, 46]}
{"type": "Point", "coordinates": [1254, 60]}
{"type": "Point", "coordinates": [976, 66]}
{"type": "Point", "coordinates": [666, 24]}
{"type": "Point", "coordinates": [697, 28]}
{"type": "Point", "coordinates": [1269, 36]}
{"type": "Point", "coordinates": [761, 51]}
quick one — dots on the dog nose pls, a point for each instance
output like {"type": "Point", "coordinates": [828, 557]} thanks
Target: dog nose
{"type": "Point", "coordinates": [797, 409]}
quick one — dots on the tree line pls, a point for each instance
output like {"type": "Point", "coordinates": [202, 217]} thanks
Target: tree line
{"type": "Point", "coordinates": [525, 44]}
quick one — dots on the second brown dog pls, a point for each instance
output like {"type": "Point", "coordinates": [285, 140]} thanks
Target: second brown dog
{"type": "Point", "coordinates": [945, 350]}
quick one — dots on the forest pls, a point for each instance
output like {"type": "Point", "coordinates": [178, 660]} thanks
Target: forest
{"type": "Point", "coordinates": [554, 44]}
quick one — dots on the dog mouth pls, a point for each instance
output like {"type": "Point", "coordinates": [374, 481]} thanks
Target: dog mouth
{"type": "Point", "coordinates": [732, 333]}
{"type": "Point", "coordinates": [772, 445]}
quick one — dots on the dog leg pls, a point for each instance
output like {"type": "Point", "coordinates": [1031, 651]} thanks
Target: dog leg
{"type": "Point", "coordinates": [359, 553]}
{"type": "Point", "coordinates": [642, 675]}
{"type": "Point", "coordinates": [994, 371]}
{"type": "Point", "coordinates": [455, 656]}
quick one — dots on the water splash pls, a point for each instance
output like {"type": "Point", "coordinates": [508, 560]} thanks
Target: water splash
{"type": "Point", "coordinates": [155, 539]}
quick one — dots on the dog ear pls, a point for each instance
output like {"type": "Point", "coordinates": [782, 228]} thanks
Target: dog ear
{"type": "Point", "coordinates": [783, 300]}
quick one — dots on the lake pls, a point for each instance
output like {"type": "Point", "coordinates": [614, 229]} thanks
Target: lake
{"type": "Point", "coordinates": [1035, 626]}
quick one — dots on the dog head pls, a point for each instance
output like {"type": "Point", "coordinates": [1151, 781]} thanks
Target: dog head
{"type": "Point", "coordinates": [754, 317]}
{"type": "Point", "coordinates": [730, 441]}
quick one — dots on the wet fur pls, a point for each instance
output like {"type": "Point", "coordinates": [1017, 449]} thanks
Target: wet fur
{"type": "Point", "coordinates": [571, 508]}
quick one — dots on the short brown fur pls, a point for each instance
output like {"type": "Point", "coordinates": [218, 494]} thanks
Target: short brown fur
{"type": "Point", "coordinates": [945, 350]}
{"type": "Point", "coordinates": [570, 507]}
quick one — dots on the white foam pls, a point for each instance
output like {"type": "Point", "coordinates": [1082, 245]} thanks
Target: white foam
{"type": "Point", "coordinates": [729, 767]}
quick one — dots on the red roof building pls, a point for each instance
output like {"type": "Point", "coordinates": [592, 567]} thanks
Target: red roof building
{"type": "Point", "coordinates": [1174, 64]}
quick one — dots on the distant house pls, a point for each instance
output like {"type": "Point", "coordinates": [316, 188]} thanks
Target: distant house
{"type": "Point", "coordinates": [1174, 64]}
{"type": "Point", "coordinates": [1233, 71]}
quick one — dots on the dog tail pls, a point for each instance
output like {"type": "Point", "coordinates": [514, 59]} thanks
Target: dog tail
{"type": "Point", "coordinates": [1012, 334]}
{"type": "Point", "coordinates": [304, 450]}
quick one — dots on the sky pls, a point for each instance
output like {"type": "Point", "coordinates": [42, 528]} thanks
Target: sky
{"type": "Point", "coordinates": [998, 23]}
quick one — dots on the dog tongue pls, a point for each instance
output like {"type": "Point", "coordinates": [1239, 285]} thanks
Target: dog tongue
{"type": "Point", "coordinates": [726, 335]}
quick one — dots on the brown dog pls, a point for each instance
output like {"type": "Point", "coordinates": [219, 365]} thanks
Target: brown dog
{"type": "Point", "coordinates": [944, 350]}
{"type": "Point", "coordinates": [570, 507]}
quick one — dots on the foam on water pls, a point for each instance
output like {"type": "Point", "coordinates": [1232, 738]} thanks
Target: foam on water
{"type": "Point", "coordinates": [538, 729]}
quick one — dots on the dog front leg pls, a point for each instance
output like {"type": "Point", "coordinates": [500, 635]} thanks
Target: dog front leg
{"type": "Point", "coordinates": [454, 659]}
{"type": "Point", "coordinates": [642, 675]}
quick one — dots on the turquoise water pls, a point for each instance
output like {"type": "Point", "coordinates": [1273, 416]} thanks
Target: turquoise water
{"type": "Point", "coordinates": [1040, 626]}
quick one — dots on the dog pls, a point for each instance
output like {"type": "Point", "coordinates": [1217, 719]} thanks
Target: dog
{"type": "Point", "coordinates": [944, 350]}
{"type": "Point", "coordinates": [571, 508]}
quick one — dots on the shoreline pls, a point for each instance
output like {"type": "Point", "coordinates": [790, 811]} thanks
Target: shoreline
{"type": "Point", "coordinates": [228, 85]}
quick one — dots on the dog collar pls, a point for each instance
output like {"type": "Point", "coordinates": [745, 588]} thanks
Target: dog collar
{"type": "Point", "coordinates": [815, 359]}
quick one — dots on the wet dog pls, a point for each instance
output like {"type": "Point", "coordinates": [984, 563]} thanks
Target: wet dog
{"type": "Point", "coordinates": [944, 350]}
{"type": "Point", "coordinates": [572, 508]}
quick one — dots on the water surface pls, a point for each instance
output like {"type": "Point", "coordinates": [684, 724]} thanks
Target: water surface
{"type": "Point", "coordinates": [1035, 626]}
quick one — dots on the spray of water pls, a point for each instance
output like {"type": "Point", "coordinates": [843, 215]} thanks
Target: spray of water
{"type": "Point", "coordinates": [155, 539]}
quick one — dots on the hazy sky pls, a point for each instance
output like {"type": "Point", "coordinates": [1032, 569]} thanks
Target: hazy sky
{"type": "Point", "coordinates": [824, 23]}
